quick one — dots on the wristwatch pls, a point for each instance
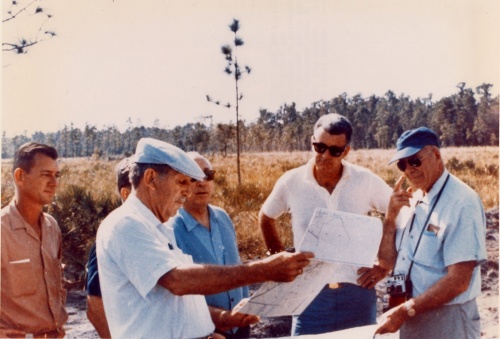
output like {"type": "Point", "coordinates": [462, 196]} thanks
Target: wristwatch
{"type": "Point", "coordinates": [409, 307]}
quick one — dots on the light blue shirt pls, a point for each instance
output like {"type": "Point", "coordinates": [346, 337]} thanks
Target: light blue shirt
{"type": "Point", "coordinates": [216, 246]}
{"type": "Point", "coordinates": [455, 232]}
{"type": "Point", "coordinates": [134, 250]}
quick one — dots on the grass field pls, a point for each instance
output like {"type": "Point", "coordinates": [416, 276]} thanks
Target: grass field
{"type": "Point", "coordinates": [87, 190]}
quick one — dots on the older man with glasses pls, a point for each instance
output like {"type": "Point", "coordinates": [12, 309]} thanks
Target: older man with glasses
{"type": "Point", "coordinates": [439, 251]}
{"type": "Point", "coordinates": [329, 181]}
{"type": "Point", "coordinates": [207, 233]}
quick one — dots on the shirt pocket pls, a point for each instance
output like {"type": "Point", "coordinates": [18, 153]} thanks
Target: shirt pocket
{"type": "Point", "coordinates": [428, 251]}
{"type": "Point", "coordinates": [20, 278]}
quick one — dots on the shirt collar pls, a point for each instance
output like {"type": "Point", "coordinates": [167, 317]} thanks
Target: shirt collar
{"type": "Point", "coordinates": [435, 188]}
{"type": "Point", "coordinates": [309, 175]}
{"type": "Point", "coordinates": [21, 223]}
{"type": "Point", "coordinates": [191, 222]}
{"type": "Point", "coordinates": [137, 207]}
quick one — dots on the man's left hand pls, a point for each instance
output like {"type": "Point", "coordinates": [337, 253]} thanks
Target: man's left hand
{"type": "Point", "coordinates": [230, 319]}
{"type": "Point", "coordinates": [369, 277]}
{"type": "Point", "coordinates": [392, 320]}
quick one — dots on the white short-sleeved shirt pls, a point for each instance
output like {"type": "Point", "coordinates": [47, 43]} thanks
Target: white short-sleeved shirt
{"type": "Point", "coordinates": [134, 249]}
{"type": "Point", "coordinates": [455, 232]}
{"type": "Point", "coordinates": [358, 191]}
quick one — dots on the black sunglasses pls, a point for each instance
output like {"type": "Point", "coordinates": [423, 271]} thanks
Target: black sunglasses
{"type": "Point", "coordinates": [335, 151]}
{"type": "Point", "coordinates": [413, 162]}
{"type": "Point", "coordinates": [209, 174]}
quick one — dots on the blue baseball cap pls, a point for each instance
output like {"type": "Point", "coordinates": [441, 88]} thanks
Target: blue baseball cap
{"type": "Point", "coordinates": [412, 141]}
{"type": "Point", "coordinates": [153, 151]}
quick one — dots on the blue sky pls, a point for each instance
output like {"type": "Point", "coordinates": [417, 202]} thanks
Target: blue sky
{"type": "Point", "coordinates": [157, 59]}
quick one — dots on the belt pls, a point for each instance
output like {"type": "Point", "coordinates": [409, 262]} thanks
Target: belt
{"type": "Point", "coordinates": [57, 333]}
{"type": "Point", "coordinates": [334, 286]}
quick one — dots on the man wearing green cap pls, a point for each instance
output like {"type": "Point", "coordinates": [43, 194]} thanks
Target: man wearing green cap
{"type": "Point", "coordinates": [150, 288]}
{"type": "Point", "coordinates": [439, 251]}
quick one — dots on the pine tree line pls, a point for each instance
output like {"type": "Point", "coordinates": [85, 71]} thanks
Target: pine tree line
{"type": "Point", "coordinates": [467, 118]}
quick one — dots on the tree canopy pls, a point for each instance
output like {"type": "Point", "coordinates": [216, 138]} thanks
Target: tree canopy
{"type": "Point", "coordinates": [467, 118]}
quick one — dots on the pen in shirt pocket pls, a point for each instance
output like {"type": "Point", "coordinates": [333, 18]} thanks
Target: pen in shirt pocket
{"type": "Point", "coordinates": [22, 261]}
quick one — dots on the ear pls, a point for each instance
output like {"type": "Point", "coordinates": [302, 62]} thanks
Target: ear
{"type": "Point", "coordinates": [436, 152]}
{"type": "Point", "coordinates": [124, 193]}
{"type": "Point", "coordinates": [18, 176]}
{"type": "Point", "coordinates": [149, 178]}
{"type": "Point", "coordinates": [346, 151]}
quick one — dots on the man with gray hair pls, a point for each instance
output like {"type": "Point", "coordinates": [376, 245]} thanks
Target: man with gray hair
{"type": "Point", "coordinates": [151, 289]}
{"type": "Point", "coordinates": [439, 252]}
{"type": "Point", "coordinates": [329, 181]}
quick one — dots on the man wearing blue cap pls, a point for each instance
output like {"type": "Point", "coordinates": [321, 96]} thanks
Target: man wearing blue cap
{"type": "Point", "coordinates": [150, 288]}
{"type": "Point", "coordinates": [439, 252]}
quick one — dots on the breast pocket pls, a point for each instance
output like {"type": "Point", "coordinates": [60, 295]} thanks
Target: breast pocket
{"type": "Point", "coordinates": [20, 277]}
{"type": "Point", "coordinates": [429, 252]}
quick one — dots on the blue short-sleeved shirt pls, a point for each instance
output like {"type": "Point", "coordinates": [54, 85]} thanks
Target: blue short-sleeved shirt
{"type": "Point", "coordinates": [455, 233]}
{"type": "Point", "coordinates": [216, 246]}
{"type": "Point", "coordinates": [92, 284]}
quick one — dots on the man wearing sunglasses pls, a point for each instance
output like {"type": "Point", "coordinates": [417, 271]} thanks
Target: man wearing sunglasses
{"type": "Point", "coordinates": [329, 181]}
{"type": "Point", "coordinates": [441, 247]}
{"type": "Point", "coordinates": [207, 233]}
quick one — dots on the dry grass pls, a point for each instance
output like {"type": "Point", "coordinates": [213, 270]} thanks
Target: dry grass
{"type": "Point", "coordinates": [477, 166]}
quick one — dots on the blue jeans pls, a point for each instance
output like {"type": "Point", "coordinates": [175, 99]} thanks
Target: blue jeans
{"type": "Point", "coordinates": [337, 309]}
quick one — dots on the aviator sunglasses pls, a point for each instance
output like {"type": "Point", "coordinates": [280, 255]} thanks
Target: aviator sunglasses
{"type": "Point", "coordinates": [335, 151]}
{"type": "Point", "coordinates": [209, 174]}
{"type": "Point", "coordinates": [413, 162]}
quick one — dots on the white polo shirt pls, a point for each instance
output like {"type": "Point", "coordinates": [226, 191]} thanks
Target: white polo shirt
{"type": "Point", "coordinates": [455, 232]}
{"type": "Point", "coordinates": [358, 191]}
{"type": "Point", "coordinates": [134, 249]}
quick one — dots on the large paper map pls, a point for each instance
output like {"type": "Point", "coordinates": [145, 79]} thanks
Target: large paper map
{"type": "Point", "coordinates": [274, 299]}
{"type": "Point", "coordinates": [334, 237]}
{"type": "Point", "coordinates": [343, 237]}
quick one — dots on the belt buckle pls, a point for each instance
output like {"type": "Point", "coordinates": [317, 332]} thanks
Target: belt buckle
{"type": "Point", "coordinates": [334, 286]}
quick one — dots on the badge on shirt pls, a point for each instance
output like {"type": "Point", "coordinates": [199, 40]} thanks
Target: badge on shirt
{"type": "Point", "coordinates": [433, 228]}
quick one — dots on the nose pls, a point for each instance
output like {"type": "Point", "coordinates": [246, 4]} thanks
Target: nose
{"type": "Point", "coordinates": [187, 190]}
{"type": "Point", "coordinates": [54, 180]}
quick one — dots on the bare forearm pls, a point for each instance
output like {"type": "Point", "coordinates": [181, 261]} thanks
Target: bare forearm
{"type": "Point", "coordinates": [447, 288]}
{"type": "Point", "coordinates": [387, 253]}
{"type": "Point", "coordinates": [210, 279]}
{"type": "Point", "coordinates": [455, 282]}
{"type": "Point", "coordinates": [186, 279]}
{"type": "Point", "coordinates": [97, 317]}
{"type": "Point", "coordinates": [270, 234]}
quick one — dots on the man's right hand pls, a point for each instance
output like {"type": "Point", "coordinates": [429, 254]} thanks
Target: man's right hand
{"type": "Point", "coordinates": [399, 198]}
{"type": "Point", "coordinates": [286, 266]}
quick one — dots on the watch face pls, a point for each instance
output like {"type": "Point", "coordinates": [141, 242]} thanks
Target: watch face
{"type": "Point", "coordinates": [411, 312]}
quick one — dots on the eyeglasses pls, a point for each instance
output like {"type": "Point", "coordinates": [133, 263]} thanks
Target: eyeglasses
{"type": "Point", "coordinates": [335, 151]}
{"type": "Point", "coordinates": [209, 174]}
{"type": "Point", "coordinates": [413, 162]}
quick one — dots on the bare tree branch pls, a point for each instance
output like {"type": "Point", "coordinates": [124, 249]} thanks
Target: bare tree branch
{"type": "Point", "coordinates": [21, 46]}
